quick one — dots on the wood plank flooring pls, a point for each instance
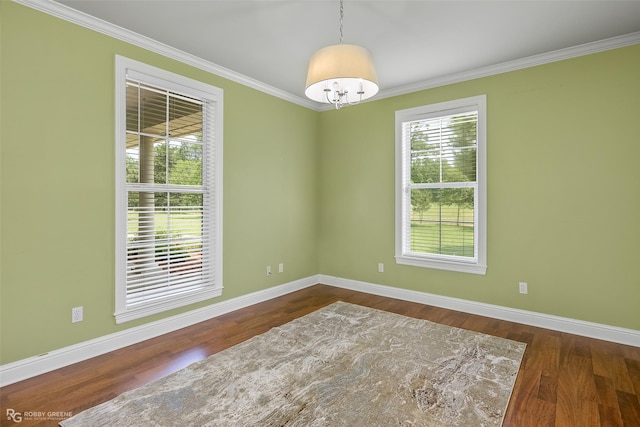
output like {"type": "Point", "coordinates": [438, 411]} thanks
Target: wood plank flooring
{"type": "Point", "coordinates": [564, 380]}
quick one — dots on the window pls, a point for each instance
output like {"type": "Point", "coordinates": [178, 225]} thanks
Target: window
{"type": "Point", "coordinates": [168, 190]}
{"type": "Point", "coordinates": [441, 186]}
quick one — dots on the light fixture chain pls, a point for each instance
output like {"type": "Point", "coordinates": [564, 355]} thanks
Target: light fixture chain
{"type": "Point", "coordinates": [341, 19]}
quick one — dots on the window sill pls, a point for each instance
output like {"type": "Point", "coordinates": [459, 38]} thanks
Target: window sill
{"type": "Point", "coordinates": [461, 267]}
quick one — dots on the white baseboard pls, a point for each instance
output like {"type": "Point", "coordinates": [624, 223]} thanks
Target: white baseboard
{"type": "Point", "coordinates": [563, 324]}
{"type": "Point", "coordinates": [32, 366]}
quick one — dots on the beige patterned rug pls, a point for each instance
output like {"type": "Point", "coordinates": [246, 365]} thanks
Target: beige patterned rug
{"type": "Point", "coordinates": [343, 365]}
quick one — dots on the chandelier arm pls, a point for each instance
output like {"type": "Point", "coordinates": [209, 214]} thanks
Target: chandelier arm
{"type": "Point", "coordinates": [337, 99]}
{"type": "Point", "coordinates": [329, 100]}
{"type": "Point", "coordinates": [360, 93]}
{"type": "Point", "coordinates": [355, 102]}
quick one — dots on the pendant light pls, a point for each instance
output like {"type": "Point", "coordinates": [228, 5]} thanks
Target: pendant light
{"type": "Point", "coordinates": [341, 74]}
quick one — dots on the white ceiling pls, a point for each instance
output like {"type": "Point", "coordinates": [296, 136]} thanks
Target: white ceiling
{"type": "Point", "coordinates": [412, 42]}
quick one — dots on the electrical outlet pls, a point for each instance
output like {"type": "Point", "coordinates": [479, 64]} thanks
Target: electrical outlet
{"type": "Point", "coordinates": [268, 270]}
{"type": "Point", "coordinates": [523, 288]}
{"type": "Point", "coordinates": [380, 267]}
{"type": "Point", "coordinates": [76, 314]}
{"type": "Point", "coordinates": [281, 267]}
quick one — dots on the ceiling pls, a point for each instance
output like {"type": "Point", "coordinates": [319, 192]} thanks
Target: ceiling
{"type": "Point", "coordinates": [412, 42]}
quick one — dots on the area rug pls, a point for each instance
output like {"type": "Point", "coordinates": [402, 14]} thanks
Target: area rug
{"type": "Point", "coordinates": [342, 365]}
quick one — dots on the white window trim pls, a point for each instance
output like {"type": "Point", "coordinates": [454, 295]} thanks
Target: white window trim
{"type": "Point", "coordinates": [459, 264]}
{"type": "Point", "coordinates": [127, 67]}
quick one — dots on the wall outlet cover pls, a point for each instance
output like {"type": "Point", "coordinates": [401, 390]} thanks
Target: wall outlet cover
{"type": "Point", "coordinates": [76, 314]}
{"type": "Point", "coordinates": [523, 288]}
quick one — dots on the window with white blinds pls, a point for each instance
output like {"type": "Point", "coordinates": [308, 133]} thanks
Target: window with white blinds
{"type": "Point", "coordinates": [168, 169]}
{"type": "Point", "coordinates": [441, 186]}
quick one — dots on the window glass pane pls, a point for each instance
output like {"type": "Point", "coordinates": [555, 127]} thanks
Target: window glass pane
{"type": "Point", "coordinates": [425, 170]}
{"type": "Point", "coordinates": [153, 112]}
{"type": "Point", "coordinates": [186, 214]}
{"type": "Point", "coordinates": [164, 242]}
{"type": "Point", "coordinates": [185, 117]}
{"type": "Point", "coordinates": [442, 221]}
{"type": "Point", "coordinates": [133, 159]}
{"type": "Point", "coordinates": [425, 221]}
{"type": "Point", "coordinates": [146, 160]}
{"type": "Point", "coordinates": [141, 233]}
{"type": "Point", "coordinates": [461, 165]}
{"type": "Point", "coordinates": [444, 149]}
{"type": "Point", "coordinates": [132, 107]}
{"type": "Point", "coordinates": [185, 162]}
{"type": "Point", "coordinates": [164, 215]}
{"type": "Point", "coordinates": [157, 148]}
{"type": "Point", "coordinates": [463, 146]}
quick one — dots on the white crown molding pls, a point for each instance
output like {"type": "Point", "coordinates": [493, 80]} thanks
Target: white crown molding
{"type": "Point", "coordinates": [55, 359]}
{"type": "Point", "coordinates": [557, 323]}
{"type": "Point", "coordinates": [85, 20]}
{"type": "Point", "coordinates": [80, 18]}
{"type": "Point", "coordinates": [518, 64]}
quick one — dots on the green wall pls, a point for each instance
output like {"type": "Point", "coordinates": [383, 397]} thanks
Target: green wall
{"type": "Point", "coordinates": [563, 187]}
{"type": "Point", "coordinates": [563, 190]}
{"type": "Point", "coordinates": [57, 183]}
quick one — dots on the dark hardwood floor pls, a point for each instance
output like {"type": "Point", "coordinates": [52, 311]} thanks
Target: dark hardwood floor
{"type": "Point", "coordinates": [564, 380]}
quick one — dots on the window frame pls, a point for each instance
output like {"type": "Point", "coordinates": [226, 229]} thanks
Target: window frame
{"type": "Point", "coordinates": [124, 68]}
{"type": "Point", "coordinates": [478, 265]}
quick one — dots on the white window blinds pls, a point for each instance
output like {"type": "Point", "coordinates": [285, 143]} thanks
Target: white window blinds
{"type": "Point", "coordinates": [170, 248]}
